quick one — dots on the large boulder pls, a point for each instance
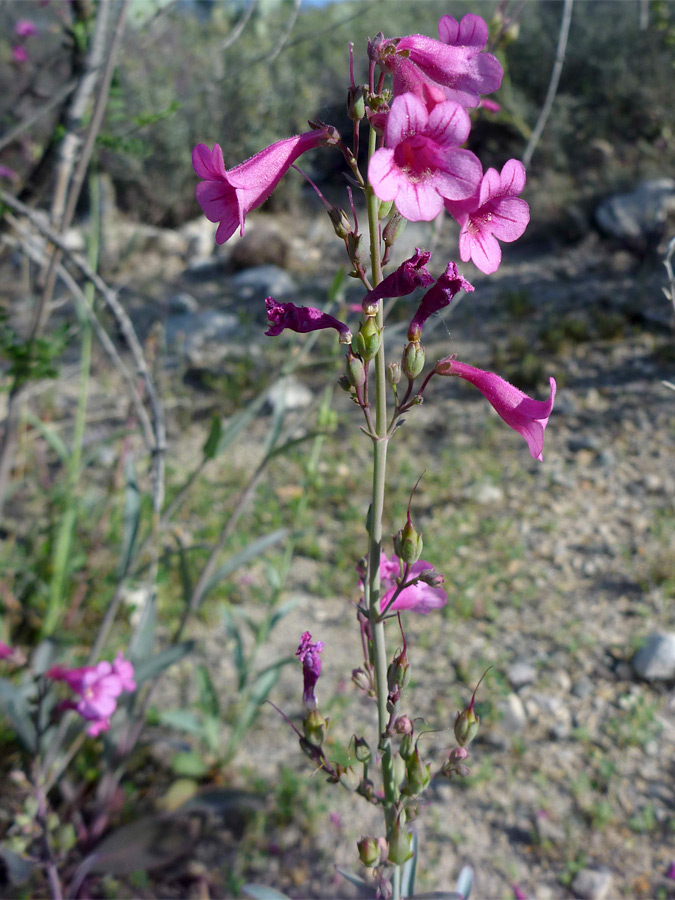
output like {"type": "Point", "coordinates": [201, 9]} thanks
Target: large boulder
{"type": "Point", "coordinates": [639, 220]}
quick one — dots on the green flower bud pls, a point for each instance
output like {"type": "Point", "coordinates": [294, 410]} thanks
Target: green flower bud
{"type": "Point", "coordinates": [400, 844]}
{"type": "Point", "coordinates": [384, 209]}
{"type": "Point", "coordinates": [314, 727]}
{"type": "Point", "coordinates": [398, 674]}
{"type": "Point", "coordinates": [466, 726]}
{"type": "Point", "coordinates": [408, 543]}
{"type": "Point", "coordinates": [356, 373]}
{"type": "Point", "coordinates": [341, 224]}
{"type": "Point", "coordinates": [413, 360]}
{"type": "Point", "coordinates": [393, 229]}
{"type": "Point", "coordinates": [418, 775]}
{"type": "Point", "coordinates": [394, 373]}
{"type": "Point", "coordinates": [368, 340]}
{"type": "Point", "coordinates": [356, 102]}
{"type": "Point", "coordinates": [354, 247]}
{"type": "Point", "coordinates": [362, 750]}
{"type": "Point", "coordinates": [406, 747]}
{"type": "Point", "coordinates": [369, 851]}
{"type": "Point", "coordinates": [361, 680]}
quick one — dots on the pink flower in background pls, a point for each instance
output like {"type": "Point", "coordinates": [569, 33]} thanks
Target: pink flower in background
{"type": "Point", "coordinates": [227, 197]}
{"type": "Point", "coordinates": [526, 416]}
{"type": "Point", "coordinates": [6, 172]}
{"type": "Point", "coordinates": [310, 657]}
{"type": "Point", "coordinates": [5, 650]}
{"type": "Point", "coordinates": [438, 297]}
{"type": "Point", "coordinates": [495, 214]}
{"type": "Point", "coordinates": [19, 55]}
{"type": "Point", "coordinates": [98, 688]}
{"type": "Point", "coordinates": [25, 28]}
{"type": "Point", "coordinates": [421, 164]}
{"type": "Point", "coordinates": [302, 319]}
{"type": "Point", "coordinates": [420, 597]}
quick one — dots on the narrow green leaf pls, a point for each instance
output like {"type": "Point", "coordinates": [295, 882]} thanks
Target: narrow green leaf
{"type": "Point", "coordinates": [250, 552]}
{"type": "Point", "coordinates": [409, 869]}
{"type": "Point", "coordinates": [14, 702]}
{"type": "Point", "coordinates": [150, 668]}
{"type": "Point", "coordinates": [465, 882]}
{"type": "Point", "coordinates": [182, 720]}
{"type": "Point", "coordinates": [233, 631]}
{"type": "Point", "coordinates": [208, 696]}
{"type": "Point", "coordinates": [143, 639]}
{"type": "Point", "coordinates": [282, 611]}
{"type": "Point", "coordinates": [353, 877]}
{"type": "Point", "coordinates": [49, 434]}
{"type": "Point", "coordinates": [215, 435]}
{"type": "Point", "coordinates": [132, 518]}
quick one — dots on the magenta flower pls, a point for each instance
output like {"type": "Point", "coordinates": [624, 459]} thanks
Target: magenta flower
{"type": "Point", "coordinates": [19, 55]}
{"type": "Point", "coordinates": [452, 68]}
{"type": "Point", "coordinates": [494, 214]}
{"type": "Point", "coordinates": [98, 688]}
{"type": "Point", "coordinates": [6, 172]}
{"type": "Point", "coordinates": [671, 871]}
{"type": "Point", "coordinates": [227, 197]}
{"type": "Point", "coordinates": [420, 597]}
{"type": "Point", "coordinates": [438, 297]}
{"type": "Point", "coordinates": [526, 416]}
{"type": "Point", "coordinates": [302, 319]}
{"type": "Point", "coordinates": [25, 28]}
{"type": "Point", "coordinates": [310, 657]}
{"type": "Point", "coordinates": [410, 275]}
{"type": "Point", "coordinates": [421, 164]}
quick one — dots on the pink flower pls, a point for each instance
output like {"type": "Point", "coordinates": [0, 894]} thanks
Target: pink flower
{"type": "Point", "coordinates": [25, 28]}
{"type": "Point", "coordinates": [410, 275]}
{"type": "Point", "coordinates": [302, 319]}
{"type": "Point", "coordinates": [452, 68]}
{"type": "Point", "coordinates": [526, 416]}
{"type": "Point", "coordinates": [227, 197]}
{"type": "Point", "coordinates": [19, 55]}
{"type": "Point", "coordinates": [98, 688]}
{"type": "Point", "coordinates": [495, 213]}
{"type": "Point", "coordinates": [6, 172]}
{"type": "Point", "coordinates": [5, 651]}
{"type": "Point", "coordinates": [438, 297]}
{"type": "Point", "coordinates": [421, 164]}
{"type": "Point", "coordinates": [310, 657]}
{"type": "Point", "coordinates": [420, 597]}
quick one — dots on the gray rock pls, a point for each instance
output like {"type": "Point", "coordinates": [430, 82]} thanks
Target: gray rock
{"type": "Point", "coordinates": [182, 303]}
{"type": "Point", "coordinates": [655, 661]}
{"type": "Point", "coordinates": [290, 394]}
{"type": "Point", "coordinates": [202, 338]}
{"type": "Point", "coordinates": [513, 717]}
{"type": "Point", "coordinates": [262, 281]}
{"type": "Point", "coordinates": [521, 673]}
{"type": "Point", "coordinates": [638, 219]}
{"type": "Point", "coordinates": [485, 493]}
{"type": "Point", "coordinates": [592, 884]}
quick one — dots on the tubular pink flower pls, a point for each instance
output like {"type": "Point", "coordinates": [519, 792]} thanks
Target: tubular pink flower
{"type": "Point", "coordinates": [98, 688]}
{"type": "Point", "coordinates": [410, 275]}
{"type": "Point", "coordinates": [5, 650]}
{"type": "Point", "coordinates": [25, 28]}
{"type": "Point", "coordinates": [421, 164]}
{"type": "Point", "coordinates": [452, 68]}
{"type": "Point", "coordinates": [310, 657]}
{"type": "Point", "coordinates": [438, 297]}
{"type": "Point", "coordinates": [19, 55]}
{"type": "Point", "coordinates": [494, 214]}
{"type": "Point", "coordinates": [227, 197]}
{"type": "Point", "coordinates": [526, 416]}
{"type": "Point", "coordinates": [302, 319]}
{"type": "Point", "coordinates": [420, 597]}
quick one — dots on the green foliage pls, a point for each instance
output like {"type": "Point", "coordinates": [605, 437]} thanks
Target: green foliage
{"type": "Point", "coordinates": [31, 360]}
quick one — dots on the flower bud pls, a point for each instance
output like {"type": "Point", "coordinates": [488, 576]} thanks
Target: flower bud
{"type": "Point", "coordinates": [403, 725]}
{"type": "Point", "coordinates": [341, 224]}
{"type": "Point", "coordinates": [406, 747]}
{"type": "Point", "coordinates": [356, 373]}
{"type": "Point", "coordinates": [394, 373]}
{"type": "Point", "coordinates": [400, 844]}
{"type": "Point", "coordinates": [356, 102]}
{"type": "Point", "coordinates": [362, 750]}
{"type": "Point", "coordinates": [418, 775]}
{"type": "Point", "coordinates": [408, 543]}
{"type": "Point", "coordinates": [413, 360]}
{"type": "Point", "coordinates": [369, 851]}
{"type": "Point", "coordinates": [466, 726]}
{"type": "Point", "coordinates": [366, 789]}
{"type": "Point", "coordinates": [361, 680]}
{"type": "Point", "coordinates": [345, 384]}
{"type": "Point", "coordinates": [314, 727]}
{"type": "Point", "coordinates": [354, 247]}
{"type": "Point", "coordinates": [368, 340]}
{"type": "Point", "coordinates": [432, 578]}
{"type": "Point", "coordinates": [384, 209]}
{"type": "Point", "coordinates": [394, 229]}
{"type": "Point", "coordinates": [398, 674]}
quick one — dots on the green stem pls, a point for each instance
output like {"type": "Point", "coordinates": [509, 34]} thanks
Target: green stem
{"type": "Point", "coordinates": [68, 519]}
{"type": "Point", "coordinates": [379, 646]}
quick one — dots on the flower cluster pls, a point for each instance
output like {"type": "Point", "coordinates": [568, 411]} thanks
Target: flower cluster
{"type": "Point", "coordinates": [98, 688]}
